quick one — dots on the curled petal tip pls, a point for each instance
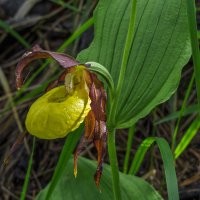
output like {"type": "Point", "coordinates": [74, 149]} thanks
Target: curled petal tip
{"type": "Point", "coordinates": [97, 178]}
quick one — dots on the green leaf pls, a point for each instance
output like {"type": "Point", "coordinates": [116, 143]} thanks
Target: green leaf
{"type": "Point", "coordinates": [188, 136]}
{"type": "Point", "coordinates": [168, 161]}
{"type": "Point", "coordinates": [83, 187]}
{"type": "Point", "coordinates": [160, 49]}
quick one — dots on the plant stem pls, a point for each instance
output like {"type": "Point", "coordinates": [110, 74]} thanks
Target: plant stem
{"type": "Point", "coordinates": [114, 165]}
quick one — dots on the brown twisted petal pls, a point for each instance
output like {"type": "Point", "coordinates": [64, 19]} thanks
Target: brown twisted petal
{"type": "Point", "coordinates": [98, 105]}
{"type": "Point", "coordinates": [64, 60]}
{"type": "Point", "coordinates": [95, 123]}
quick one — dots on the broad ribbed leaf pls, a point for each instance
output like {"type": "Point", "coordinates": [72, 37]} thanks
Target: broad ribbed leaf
{"type": "Point", "coordinates": [83, 187]}
{"type": "Point", "coordinates": [159, 50]}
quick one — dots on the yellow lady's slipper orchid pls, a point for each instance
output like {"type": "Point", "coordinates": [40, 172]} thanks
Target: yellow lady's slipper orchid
{"type": "Point", "coordinates": [76, 96]}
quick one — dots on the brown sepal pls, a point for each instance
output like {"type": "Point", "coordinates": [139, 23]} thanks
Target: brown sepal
{"type": "Point", "coordinates": [64, 60]}
{"type": "Point", "coordinates": [95, 123]}
{"type": "Point", "coordinates": [98, 106]}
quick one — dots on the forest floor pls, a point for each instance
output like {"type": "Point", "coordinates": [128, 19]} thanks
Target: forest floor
{"type": "Point", "coordinates": [49, 24]}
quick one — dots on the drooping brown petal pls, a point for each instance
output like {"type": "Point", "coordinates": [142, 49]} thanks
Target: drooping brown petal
{"type": "Point", "coordinates": [89, 133]}
{"type": "Point", "coordinates": [100, 143]}
{"type": "Point", "coordinates": [98, 98]}
{"type": "Point", "coordinates": [95, 123]}
{"type": "Point", "coordinates": [64, 60]}
{"type": "Point", "coordinates": [77, 152]}
{"type": "Point", "coordinates": [98, 105]}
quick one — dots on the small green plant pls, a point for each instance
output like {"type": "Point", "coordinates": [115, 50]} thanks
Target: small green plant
{"type": "Point", "coordinates": [138, 52]}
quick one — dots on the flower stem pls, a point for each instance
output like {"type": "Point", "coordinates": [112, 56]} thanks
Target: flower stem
{"type": "Point", "coordinates": [114, 165]}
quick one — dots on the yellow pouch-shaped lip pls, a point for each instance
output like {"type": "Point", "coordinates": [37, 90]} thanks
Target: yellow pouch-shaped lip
{"type": "Point", "coordinates": [55, 114]}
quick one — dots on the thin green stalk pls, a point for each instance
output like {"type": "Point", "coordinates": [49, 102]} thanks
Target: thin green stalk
{"type": "Point", "coordinates": [128, 148]}
{"type": "Point", "coordinates": [194, 42]}
{"type": "Point", "coordinates": [128, 44]}
{"type": "Point", "coordinates": [181, 112]}
{"type": "Point", "coordinates": [114, 165]}
{"type": "Point", "coordinates": [114, 103]}
{"type": "Point", "coordinates": [27, 178]}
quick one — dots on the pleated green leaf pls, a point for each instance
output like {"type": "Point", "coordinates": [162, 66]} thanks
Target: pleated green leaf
{"type": "Point", "coordinates": [83, 187]}
{"type": "Point", "coordinates": [160, 49]}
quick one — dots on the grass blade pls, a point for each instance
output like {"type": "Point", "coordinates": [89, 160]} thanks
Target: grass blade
{"type": "Point", "coordinates": [188, 136]}
{"type": "Point", "coordinates": [168, 161]}
{"type": "Point", "coordinates": [14, 33]}
{"type": "Point", "coordinates": [128, 148]}
{"type": "Point", "coordinates": [6, 87]}
{"type": "Point", "coordinates": [192, 109]}
{"type": "Point", "coordinates": [139, 156]}
{"type": "Point", "coordinates": [27, 178]}
{"type": "Point", "coordinates": [191, 10]}
{"type": "Point", "coordinates": [67, 150]}
{"type": "Point", "coordinates": [65, 5]}
{"type": "Point", "coordinates": [189, 89]}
